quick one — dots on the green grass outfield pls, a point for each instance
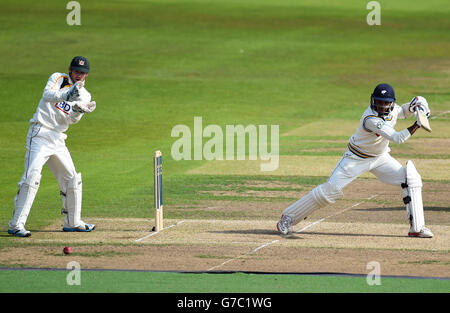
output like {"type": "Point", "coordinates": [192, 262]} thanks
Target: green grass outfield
{"type": "Point", "coordinates": [48, 281]}
{"type": "Point", "coordinates": [156, 64]}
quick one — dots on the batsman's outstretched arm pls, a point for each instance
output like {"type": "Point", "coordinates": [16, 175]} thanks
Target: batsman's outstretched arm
{"type": "Point", "coordinates": [404, 111]}
{"type": "Point", "coordinates": [378, 126]}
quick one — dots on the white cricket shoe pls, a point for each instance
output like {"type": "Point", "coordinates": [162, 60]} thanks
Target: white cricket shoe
{"type": "Point", "coordinates": [83, 227]}
{"type": "Point", "coordinates": [424, 233]}
{"type": "Point", "coordinates": [19, 232]}
{"type": "Point", "coordinates": [284, 226]}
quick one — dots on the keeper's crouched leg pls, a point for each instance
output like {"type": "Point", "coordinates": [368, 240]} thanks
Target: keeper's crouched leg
{"type": "Point", "coordinates": [72, 207]}
{"type": "Point", "coordinates": [28, 187]}
{"type": "Point", "coordinates": [317, 198]}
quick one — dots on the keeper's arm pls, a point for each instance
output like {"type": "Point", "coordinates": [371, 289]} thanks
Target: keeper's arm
{"type": "Point", "coordinates": [52, 92]}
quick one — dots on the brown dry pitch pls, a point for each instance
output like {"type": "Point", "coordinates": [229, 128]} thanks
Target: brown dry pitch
{"type": "Point", "coordinates": [368, 224]}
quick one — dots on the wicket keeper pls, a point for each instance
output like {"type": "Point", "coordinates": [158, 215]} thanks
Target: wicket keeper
{"type": "Point", "coordinates": [64, 101]}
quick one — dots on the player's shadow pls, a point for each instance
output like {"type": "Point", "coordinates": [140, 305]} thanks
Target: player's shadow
{"type": "Point", "coordinates": [350, 234]}
{"type": "Point", "coordinates": [266, 232]}
{"type": "Point", "coordinates": [4, 232]}
{"type": "Point", "coordinates": [295, 235]}
{"type": "Point", "coordinates": [433, 209]}
{"type": "Point", "coordinates": [247, 232]}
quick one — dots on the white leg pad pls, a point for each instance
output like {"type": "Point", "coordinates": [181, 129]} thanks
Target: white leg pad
{"type": "Point", "coordinates": [414, 205]}
{"type": "Point", "coordinates": [319, 197]}
{"type": "Point", "coordinates": [72, 202]}
{"type": "Point", "coordinates": [24, 200]}
{"type": "Point", "coordinates": [406, 199]}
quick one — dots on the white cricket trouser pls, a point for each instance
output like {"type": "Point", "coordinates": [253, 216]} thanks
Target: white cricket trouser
{"type": "Point", "coordinates": [390, 171]}
{"type": "Point", "coordinates": [44, 146]}
{"type": "Point", "coordinates": [349, 167]}
{"type": "Point", "coordinates": [384, 167]}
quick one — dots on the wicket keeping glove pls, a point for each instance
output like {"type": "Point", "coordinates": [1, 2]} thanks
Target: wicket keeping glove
{"type": "Point", "coordinates": [73, 94]}
{"type": "Point", "coordinates": [84, 107]}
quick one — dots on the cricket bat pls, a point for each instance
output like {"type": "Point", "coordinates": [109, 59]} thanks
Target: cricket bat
{"type": "Point", "coordinates": [422, 120]}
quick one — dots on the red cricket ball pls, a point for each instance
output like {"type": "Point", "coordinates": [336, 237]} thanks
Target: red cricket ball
{"type": "Point", "coordinates": [67, 250]}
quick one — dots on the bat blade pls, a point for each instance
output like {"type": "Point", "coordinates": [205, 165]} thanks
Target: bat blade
{"type": "Point", "coordinates": [422, 120]}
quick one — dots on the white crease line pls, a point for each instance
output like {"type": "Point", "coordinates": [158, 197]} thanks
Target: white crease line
{"type": "Point", "coordinates": [241, 256]}
{"type": "Point", "coordinates": [152, 234]}
{"type": "Point", "coordinates": [275, 241]}
{"type": "Point", "coordinates": [439, 114]}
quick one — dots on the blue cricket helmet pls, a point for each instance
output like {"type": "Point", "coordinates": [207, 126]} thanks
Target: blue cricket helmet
{"type": "Point", "coordinates": [382, 92]}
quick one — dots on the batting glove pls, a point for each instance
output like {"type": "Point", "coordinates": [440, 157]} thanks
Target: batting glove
{"type": "Point", "coordinates": [419, 103]}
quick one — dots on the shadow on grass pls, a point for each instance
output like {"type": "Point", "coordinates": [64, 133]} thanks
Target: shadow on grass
{"type": "Point", "coordinates": [296, 235]}
{"type": "Point", "coordinates": [434, 209]}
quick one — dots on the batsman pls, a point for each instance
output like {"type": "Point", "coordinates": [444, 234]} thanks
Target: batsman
{"type": "Point", "coordinates": [368, 151]}
{"type": "Point", "coordinates": [64, 101]}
